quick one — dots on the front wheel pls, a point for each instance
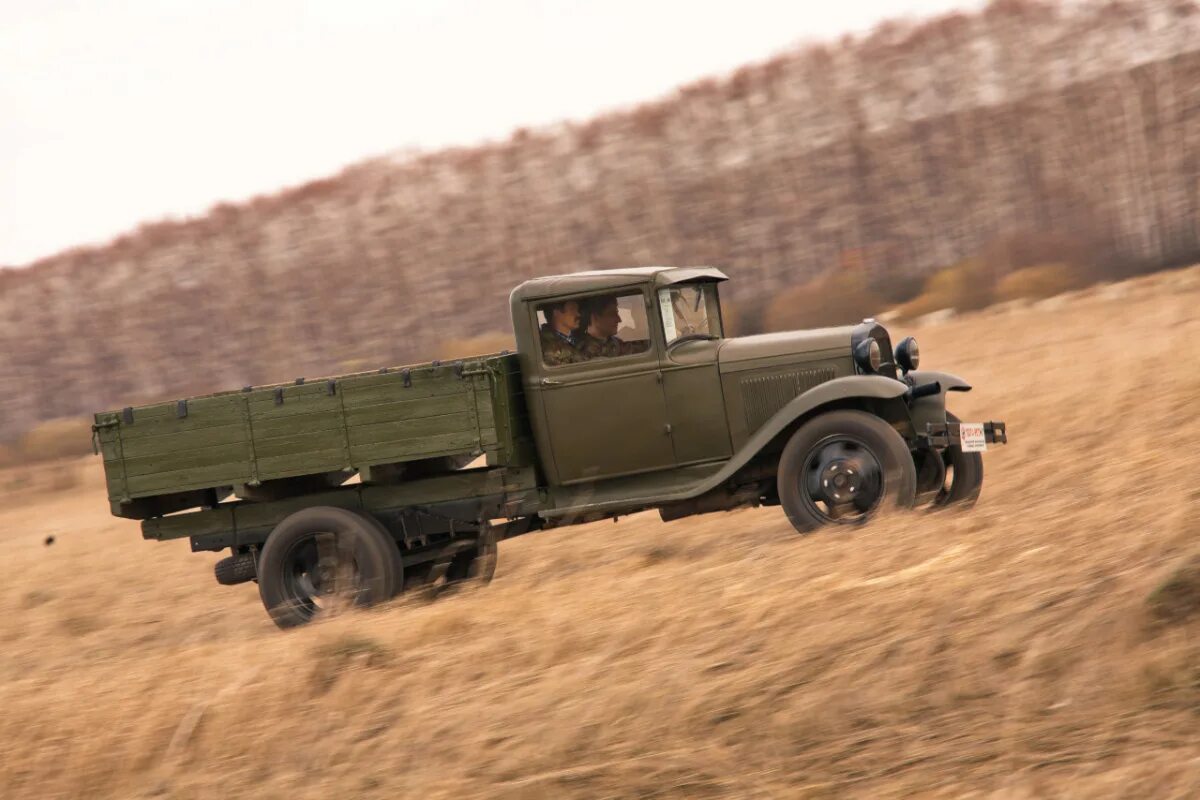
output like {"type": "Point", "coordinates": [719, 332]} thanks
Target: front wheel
{"type": "Point", "coordinates": [841, 468]}
{"type": "Point", "coordinates": [963, 476]}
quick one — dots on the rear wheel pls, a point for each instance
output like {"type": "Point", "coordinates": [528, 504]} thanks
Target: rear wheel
{"type": "Point", "coordinates": [321, 560]}
{"type": "Point", "coordinates": [964, 476]}
{"type": "Point", "coordinates": [842, 468]}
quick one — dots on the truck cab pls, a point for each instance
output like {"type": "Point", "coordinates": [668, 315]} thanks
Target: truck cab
{"type": "Point", "coordinates": [656, 403]}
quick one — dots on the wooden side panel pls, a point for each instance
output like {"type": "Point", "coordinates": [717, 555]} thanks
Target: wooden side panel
{"type": "Point", "coordinates": [507, 415]}
{"type": "Point", "coordinates": [108, 439]}
{"type": "Point", "coordinates": [163, 452]}
{"type": "Point", "coordinates": [297, 430]}
{"type": "Point", "coordinates": [317, 427]}
{"type": "Point", "coordinates": [390, 418]}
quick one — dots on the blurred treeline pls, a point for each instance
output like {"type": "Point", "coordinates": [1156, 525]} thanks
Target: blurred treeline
{"type": "Point", "coordinates": [1062, 139]}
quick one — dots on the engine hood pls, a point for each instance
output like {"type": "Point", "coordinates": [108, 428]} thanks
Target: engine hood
{"type": "Point", "coordinates": [747, 352]}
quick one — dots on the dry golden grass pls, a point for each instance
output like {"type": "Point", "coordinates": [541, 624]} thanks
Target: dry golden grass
{"type": "Point", "coordinates": [1012, 652]}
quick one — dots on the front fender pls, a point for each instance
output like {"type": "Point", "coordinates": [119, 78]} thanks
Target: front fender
{"type": "Point", "coordinates": [932, 408]}
{"type": "Point", "coordinates": [950, 383]}
{"type": "Point", "coordinates": [852, 387]}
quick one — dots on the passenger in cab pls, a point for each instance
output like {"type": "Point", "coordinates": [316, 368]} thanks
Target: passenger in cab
{"type": "Point", "coordinates": [560, 345]}
{"type": "Point", "coordinates": [602, 316]}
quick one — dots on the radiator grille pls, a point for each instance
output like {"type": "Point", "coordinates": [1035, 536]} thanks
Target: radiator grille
{"type": "Point", "coordinates": [763, 395]}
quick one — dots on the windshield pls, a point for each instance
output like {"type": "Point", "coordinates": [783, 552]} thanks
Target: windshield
{"type": "Point", "coordinates": [690, 309]}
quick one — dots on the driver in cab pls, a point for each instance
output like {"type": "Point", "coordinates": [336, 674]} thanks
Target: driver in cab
{"type": "Point", "coordinates": [603, 319]}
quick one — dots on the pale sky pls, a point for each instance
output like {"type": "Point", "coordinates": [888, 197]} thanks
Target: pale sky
{"type": "Point", "coordinates": [118, 112]}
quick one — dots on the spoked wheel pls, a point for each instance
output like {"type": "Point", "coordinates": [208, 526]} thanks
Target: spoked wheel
{"type": "Point", "coordinates": [842, 468]}
{"type": "Point", "coordinates": [323, 560]}
{"type": "Point", "coordinates": [963, 476]}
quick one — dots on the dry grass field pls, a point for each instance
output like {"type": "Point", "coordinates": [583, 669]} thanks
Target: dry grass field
{"type": "Point", "coordinates": [1011, 652]}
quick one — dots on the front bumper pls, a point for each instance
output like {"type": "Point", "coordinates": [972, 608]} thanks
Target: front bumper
{"type": "Point", "coordinates": [944, 434]}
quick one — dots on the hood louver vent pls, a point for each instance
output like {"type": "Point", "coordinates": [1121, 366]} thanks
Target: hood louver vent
{"type": "Point", "coordinates": [763, 395]}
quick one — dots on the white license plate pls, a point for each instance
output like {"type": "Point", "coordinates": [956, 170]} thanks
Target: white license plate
{"type": "Point", "coordinates": [971, 437]}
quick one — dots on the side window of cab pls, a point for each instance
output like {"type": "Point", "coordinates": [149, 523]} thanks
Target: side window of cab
{"type": "Point", "coordinates": [589, 327]}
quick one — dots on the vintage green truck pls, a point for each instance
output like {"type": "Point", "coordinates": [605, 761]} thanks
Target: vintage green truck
{"type": "Point", "coordinates": [623, 395]}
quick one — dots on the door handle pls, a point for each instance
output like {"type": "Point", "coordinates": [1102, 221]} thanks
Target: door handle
{"type": "Point", "coordinates": [550, 382]}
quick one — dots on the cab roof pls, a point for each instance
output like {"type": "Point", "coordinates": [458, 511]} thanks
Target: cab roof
{"type": "Point", "coordinates": [578, 282]}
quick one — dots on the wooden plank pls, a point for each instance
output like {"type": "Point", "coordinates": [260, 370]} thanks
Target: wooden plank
{"type": "Point", "coordinates": [167, 410]}
{"type": "Point", "coordinates": [108, 436]}
{"type": "Point", "coordinates": [376, 452]}
{"type": "Point", "coordinates": [298, 444]}
{"type": "Point", "coordinates": [309, 403]}
{"type": "Point", "coordinates": [212, 455]}
{"type": "Point", "coordinates": [487, 437]}
{"type": "Point", "coordinates": [269, 428]}
{"type": "Point", "coordinates": [184, 441]}
{"type": "Point", "coordinates": [186, 479]}
{"type": "Point", "coordinates": [412, 429]}
{"type": "Point", "coordinates": [308, 463]}
{"type": "Point", "coordinates": [202, 414]}
{"type": "Point", "coordinates": [406, 409]}
{"type": "Point", "coordinates": [365, 391]}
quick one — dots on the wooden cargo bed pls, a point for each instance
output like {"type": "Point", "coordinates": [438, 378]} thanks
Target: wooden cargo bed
{"type": "Point", "coordinates": [171, 456]}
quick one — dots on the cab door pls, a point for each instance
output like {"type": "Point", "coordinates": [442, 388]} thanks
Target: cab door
{"type": "Point", "coordinates": [605, 417]}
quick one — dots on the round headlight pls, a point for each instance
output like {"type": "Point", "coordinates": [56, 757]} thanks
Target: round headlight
{"type": "Point", "coordinates": [868, 355]}
{"type": "Point", "coordinates": [908, 355]}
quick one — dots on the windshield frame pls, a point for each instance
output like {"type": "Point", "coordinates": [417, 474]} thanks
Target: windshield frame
{"type": "Point", "coordinates": [665, 302]}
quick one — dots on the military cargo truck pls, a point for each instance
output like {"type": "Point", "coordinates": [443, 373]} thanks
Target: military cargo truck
{"type": "Point", "coordinates": [624, 394]}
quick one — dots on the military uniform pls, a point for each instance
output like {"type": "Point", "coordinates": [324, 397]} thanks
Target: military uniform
{"type": "Point", "coordinates": [558, 348]}
{"type": "Point", "coordinates": [592, 347]}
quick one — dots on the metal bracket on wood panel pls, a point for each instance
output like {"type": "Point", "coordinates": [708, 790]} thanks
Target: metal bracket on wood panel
{"type": "Point", "coordinates": [181, 409]}
{"type": "Point", "coordinates": [252, 453]}
{"type": "Point", "coordinates": [299, 381]}
{"type": "Point", "coordinates": [406, 374]}
{"type": "Point", "coordinates": [279, 396]}
{"type": "Point", "coordinates": [127, 415]}
{"type": "Point", "coordinates": [331, 388]}
{"type": "Point", "coordinates": [458, 369]}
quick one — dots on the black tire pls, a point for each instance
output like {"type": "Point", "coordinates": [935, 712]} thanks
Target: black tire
{"type": "Point", "coordinates": [964, 476]}
{"type": "Point", "coordinates": [361, 565]}
{"type": "Point", "coordinates": [393, 548]}
{"type": "Point", "coordinates": [874, 461]}
{"type": "Point", "coordinates": [235, 569]}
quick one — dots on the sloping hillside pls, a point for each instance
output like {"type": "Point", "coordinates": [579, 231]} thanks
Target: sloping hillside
{"type": "Point", "coordinates": [1009, 652]}
{"type": "Point", "coordinates": [902, 151]}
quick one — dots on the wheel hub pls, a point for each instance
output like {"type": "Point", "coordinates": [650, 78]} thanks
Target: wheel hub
{"type": "Point", "coordinates": [844, 480]}
{"type": "Point", "coordinates": [841, 481]}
